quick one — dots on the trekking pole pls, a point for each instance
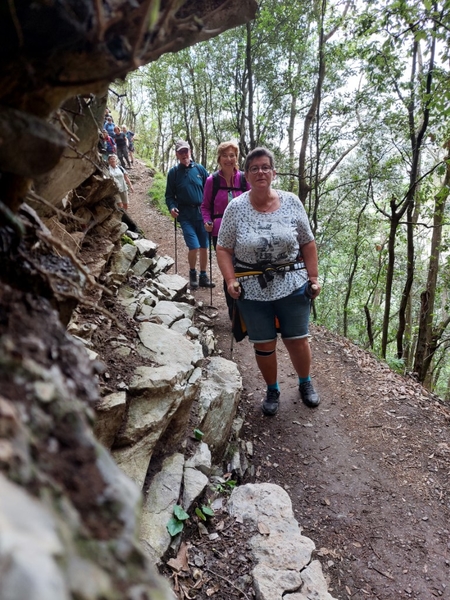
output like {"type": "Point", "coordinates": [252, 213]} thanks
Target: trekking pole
{"type": "Point", "coordinates": [210, 265]}
{"type": "Point", "coordinates": [176, 249]}
{"type": "Point", "coordinates": [233, 319]}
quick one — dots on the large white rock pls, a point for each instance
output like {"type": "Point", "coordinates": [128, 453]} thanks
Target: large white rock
{"type": "Point", "coordinates": [218, 400]}
{"type": "Point", "coordinates": [122, 260]}
{"type": "Point", "coordinates": [175, 283]}
{"type": "Point", "coordinates": [160, 403]}
{"type": "Point", "coordinates": [29, 548]}
{"type": "Point", "coordinates": [168, 312]}
{"type": "Point", "coordinates": [161, 498]}
{"type": "Point", "coordinates": [201, 459]}
{"type": "Point", "coordinates": [109, 412]}
{"type": "Point", "coordinates": [155, 394]}
{"type": "Point", "coordinates": [142, 266]}
{"type": "Point", "coordinates": [283, 567]}
{"type": "Point", "coordinates": [164, 346]}
{"type": "Point", "coordinates": [146, 247]}
{"type": "Point", "coordinates": [194, 484]}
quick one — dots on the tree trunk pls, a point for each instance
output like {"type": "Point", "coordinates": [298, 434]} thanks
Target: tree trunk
{"type": "Point", "coordinates": [248, 60]}
{"type": "Point", "coordinates": [354, 266]}
{"type": "Point", "coordinates": [425, 350]}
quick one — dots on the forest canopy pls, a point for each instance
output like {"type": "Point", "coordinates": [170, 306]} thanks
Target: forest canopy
{"type": "Point", "coordinates": [354, 100]}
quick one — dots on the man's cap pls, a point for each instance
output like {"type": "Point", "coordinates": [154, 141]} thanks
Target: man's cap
{"type": "Point", "coordinates": [180, 145]}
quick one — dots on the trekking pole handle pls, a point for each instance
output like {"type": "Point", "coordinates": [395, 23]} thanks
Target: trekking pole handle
{"type": "Point", "coordinates": [237, 288]}
{"type": "Point", "coordinates": [310, 289]}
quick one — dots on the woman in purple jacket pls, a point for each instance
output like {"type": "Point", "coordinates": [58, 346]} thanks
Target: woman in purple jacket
{"type": "Point", "coordinates": [220, 189]}
{"type": "Point", "coordinates": [230, 183]}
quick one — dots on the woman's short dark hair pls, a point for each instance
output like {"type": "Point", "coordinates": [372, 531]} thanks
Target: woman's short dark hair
{"type": "Point", "coordinates": [256, 153]}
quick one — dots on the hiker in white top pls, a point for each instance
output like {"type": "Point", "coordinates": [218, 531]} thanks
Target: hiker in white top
{"type": "Point", "coordinates": [122, 181]}
{"type": "Point", "coordinates": [268, 258]}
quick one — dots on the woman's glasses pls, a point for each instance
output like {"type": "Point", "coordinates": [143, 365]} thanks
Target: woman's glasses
{"type": "Point", "coordinates": [264, 168]}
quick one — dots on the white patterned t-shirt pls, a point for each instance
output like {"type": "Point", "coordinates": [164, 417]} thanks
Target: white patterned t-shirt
{"type": "Point", "coordinates": [274, 238]}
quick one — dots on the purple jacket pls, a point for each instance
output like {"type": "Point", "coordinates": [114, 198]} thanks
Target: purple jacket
{"type": "Point", "coordinates": [221, 200]}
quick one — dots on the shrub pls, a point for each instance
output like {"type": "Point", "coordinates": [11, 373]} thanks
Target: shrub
{"type": "Point", "coordinates": [157, 193]}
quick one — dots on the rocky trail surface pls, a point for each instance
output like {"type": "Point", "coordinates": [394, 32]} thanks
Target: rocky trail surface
{"type": "Point", "coordinates": [368, 472]}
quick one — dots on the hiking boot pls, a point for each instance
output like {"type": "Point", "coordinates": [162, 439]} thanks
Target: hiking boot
{"type": "Point", "coordinates": [308, 394]}
{"type": "Point", "coordinates": [193, 280]}
{"type": "Point", "coordinates": [204, 281]}
{"type": "Point", "coordinates": [271, 402]}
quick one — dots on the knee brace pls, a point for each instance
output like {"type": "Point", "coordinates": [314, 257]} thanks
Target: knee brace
{"type": "Point", "coordinates": [264, 353]}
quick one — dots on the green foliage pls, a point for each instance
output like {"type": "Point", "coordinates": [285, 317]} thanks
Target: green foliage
{"type": "Point", "coordinates": [204, 512]}
{"type": "Point", "coordinates": [396, 364]}
{"type": "Point", "coordinates": [176, 522]}
{"type": "Point", "coordinates": [157, 193]}
{"type": "Point", "coordinates": [198, 434]}
{"type": "Point", "coordinates": [225, 487]}
{"type": "Point", "coordinates": [125, 239]}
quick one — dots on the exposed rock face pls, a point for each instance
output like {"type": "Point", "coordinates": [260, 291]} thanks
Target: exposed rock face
{"type": "Point", "coordinates": [64, 503]}
{"type": "Point", "coordinates": [54, 471]}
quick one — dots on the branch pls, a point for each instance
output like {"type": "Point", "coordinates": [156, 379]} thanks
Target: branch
{"type": "Point", "coordinates": [338, 161]}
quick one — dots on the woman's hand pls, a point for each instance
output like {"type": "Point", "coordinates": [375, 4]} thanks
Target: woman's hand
{"type": "Point", "coordinates": [315, 287]}
{"type": "Point", "coordinates": [208, 226]}
{"type": "Point", "coordinates": [234, 289]}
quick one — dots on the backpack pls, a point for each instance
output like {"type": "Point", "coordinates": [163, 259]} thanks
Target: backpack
{"type": "Point", "coordinates": [217, 187]}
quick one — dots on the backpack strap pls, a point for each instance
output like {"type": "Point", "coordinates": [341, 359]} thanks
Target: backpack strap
{"type": "Point", "coordinates": [217, 187]}
{"type": "Point", "coordinates": [243, 182]}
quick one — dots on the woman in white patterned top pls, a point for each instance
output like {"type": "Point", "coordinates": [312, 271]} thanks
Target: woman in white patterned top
{"type": "Point", "coordinates": [268, 258]}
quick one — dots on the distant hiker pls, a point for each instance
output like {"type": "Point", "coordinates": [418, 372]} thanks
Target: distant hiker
{"type": "Point", "coordinates": [122, 180]}
{"type": "Point", "coordinates": [110, 144]}
{"type": "Point", "coordinates": [109, 125]}
{"type": "Point", "coordinates": [130, 139]}
{"type": "Point", "coordinates": [102, 147]}
{"type": "Point", "coordinates": [268, 257]}
{"type": "Point", "coordinates": [221, 187]}
{"type": "Point", "coordinates": [122, 148]}
{"type": "Point", "coordinates": [184, 195]}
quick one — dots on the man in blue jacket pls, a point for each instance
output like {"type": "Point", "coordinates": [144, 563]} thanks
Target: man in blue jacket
{"type": "Point", "coordinates": [184, 196]}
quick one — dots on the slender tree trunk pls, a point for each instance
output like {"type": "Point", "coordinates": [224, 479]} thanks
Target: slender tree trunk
{"type": "Point", "coordinates": [354, 265]}
{"type": "Point", "coordinates": [249, 67]}
{"type": "Point", "coordinates": [395, 217]}
{"type": "Point", "coordinates": [425, 347]}
{"type": "Point", "coordinates": [304, 186]}
{"type": "Point", "coordinates": [416, 147]}
{"type": "Point", "coordinates": [291, 140]}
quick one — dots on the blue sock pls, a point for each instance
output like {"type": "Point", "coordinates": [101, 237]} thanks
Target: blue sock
{"type": "Point", "coordinates": [192, 270]}
{"type": "Point", "coordinates": [202, 273]}
{"type": "Point", "coordinates": [273, 386]}
{"type": "Point", "coordinates": [303, 379]}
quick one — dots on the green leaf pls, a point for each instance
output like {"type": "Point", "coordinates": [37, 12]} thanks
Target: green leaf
{"type": "Point", "coordinates": [208, 511]}
{"type": "Point", "coordinates": [199, 514]}
{"type": "Point", "coordinates": [198, 434]}
{"type": "Point", "coordinates": [180, 513]}
{"type": "Point", "coordinates": [174, 526]}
